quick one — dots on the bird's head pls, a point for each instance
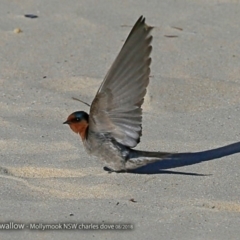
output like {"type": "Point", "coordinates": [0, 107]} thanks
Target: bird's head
{"type": "Point", "coordinates": [78, 122]}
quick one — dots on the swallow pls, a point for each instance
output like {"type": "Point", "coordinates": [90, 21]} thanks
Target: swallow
{"type": "Point", "coordinates": [113, 126]}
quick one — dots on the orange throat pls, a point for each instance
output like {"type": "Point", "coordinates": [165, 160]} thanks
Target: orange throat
{"type": "Point", "coordinates": [80, 128]}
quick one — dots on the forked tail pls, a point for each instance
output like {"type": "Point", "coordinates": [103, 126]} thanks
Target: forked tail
{"type": "Point", "coordinates": [141, 158]}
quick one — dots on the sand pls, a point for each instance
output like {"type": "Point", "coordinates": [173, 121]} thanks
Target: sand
{"type": "Point", "coordinates": [192, 105]}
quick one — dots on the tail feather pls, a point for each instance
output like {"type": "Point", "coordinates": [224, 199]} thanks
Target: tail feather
{"type": "Point", "coordinates": [140, 158]}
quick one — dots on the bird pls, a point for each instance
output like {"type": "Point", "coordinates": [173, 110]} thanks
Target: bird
{"type": "Point", "coordinates": [113, 126]}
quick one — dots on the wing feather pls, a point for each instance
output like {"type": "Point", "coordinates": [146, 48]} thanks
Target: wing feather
{"type": "Point", "coordinates": [116, 108]}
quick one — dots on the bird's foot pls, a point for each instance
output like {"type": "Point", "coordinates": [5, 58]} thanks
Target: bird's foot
{"type": "Point", "coordinates": [110, 170]}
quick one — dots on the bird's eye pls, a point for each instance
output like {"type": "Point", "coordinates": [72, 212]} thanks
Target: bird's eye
{"type": "Point", "coordinates": [75, 120]}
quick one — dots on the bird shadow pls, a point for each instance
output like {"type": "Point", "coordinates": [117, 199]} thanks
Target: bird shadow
{"type": "Point", "coordinates": [187, 159]}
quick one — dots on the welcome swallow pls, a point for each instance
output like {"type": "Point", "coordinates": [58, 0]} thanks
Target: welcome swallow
{"type": "Point", "coordinates": [114, 125]}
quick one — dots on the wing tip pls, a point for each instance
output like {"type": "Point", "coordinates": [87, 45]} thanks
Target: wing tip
{"type": "Point", "coordinates": [141, 21]}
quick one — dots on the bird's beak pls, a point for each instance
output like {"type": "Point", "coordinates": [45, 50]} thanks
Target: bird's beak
{"type": "Point", "coordinates": [66, 122]}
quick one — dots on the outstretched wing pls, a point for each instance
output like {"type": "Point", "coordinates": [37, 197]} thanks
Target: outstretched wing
{"type": "Point", "coordinates": [116, 108]}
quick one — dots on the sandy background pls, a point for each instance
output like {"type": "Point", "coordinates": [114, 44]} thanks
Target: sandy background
{"type": "Point", "coordinates": [192, 104]}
